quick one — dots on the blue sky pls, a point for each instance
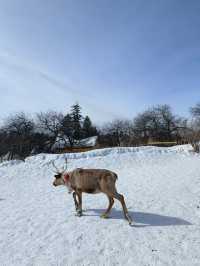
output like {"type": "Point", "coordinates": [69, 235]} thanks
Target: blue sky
{"type": "Point", "coordinates": [115, 58]}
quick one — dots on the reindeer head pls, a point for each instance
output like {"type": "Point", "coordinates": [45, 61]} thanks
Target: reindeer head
{"type": "Point", "coordinates": [60, 176]}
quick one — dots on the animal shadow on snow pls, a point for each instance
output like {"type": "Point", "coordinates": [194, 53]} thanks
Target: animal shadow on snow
{"type": "Point", "coordinates": [143, 219]}
{"type": "Point", "coordinates": [1, 199]}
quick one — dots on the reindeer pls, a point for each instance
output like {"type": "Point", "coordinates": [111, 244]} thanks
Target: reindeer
{"type": "Point", "coordinates": [90, 181]}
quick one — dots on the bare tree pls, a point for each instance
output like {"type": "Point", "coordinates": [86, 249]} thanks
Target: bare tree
{"type": "Point", "coordinates": [141, 127]}
{"type": "Point", "coordinates": [3, 143]}
{"type": "Point", "coordinates": [195, 111]}
{"type": "Point", "coordinates": [50, 122]}
{"type": "Point", "coordinates": [18, 131]}
{"type": "Point", "coordinates": [195, 126]}
{"type": "Point", "coordinates": [19, 124]}
{"type": "Point", "coordinates": [158, 123]}
{"type": "Point", "coordinates": [171, 124]}
{"type": "Point", "coordinates": [117, 133]}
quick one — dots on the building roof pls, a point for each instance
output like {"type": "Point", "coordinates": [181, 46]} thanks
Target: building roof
{"type": "Point", "coordinates": [63, 142]}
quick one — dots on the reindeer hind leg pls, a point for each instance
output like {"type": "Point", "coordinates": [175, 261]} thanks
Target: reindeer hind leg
{"type": "Point", "coordinates": [120, 197]}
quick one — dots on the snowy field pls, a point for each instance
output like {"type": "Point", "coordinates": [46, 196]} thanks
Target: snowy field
{"type": "Point", "coordinates": [161, 186]}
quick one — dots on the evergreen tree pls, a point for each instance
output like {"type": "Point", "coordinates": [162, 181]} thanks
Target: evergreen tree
{"type": "Point", "coordinates": [75, 128]}
{"type": "Point", "coordinates": [87, 125]}
{"type": "Point", "coordinates": [88, 129]}
{"type": "Point", "coordinates": [76, 120]}
{"type": "Point", "coordinates": [68, 129]}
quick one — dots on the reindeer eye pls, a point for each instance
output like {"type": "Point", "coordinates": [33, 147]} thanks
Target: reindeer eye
{"type": "Point", "coordinates": [57, 176]}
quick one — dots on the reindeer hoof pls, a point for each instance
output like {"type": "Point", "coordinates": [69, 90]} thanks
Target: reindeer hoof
{"type": "Point", "coordinates": [131, 223]}
{"type": "Point", "coordinates": [79, 213]}
{"type": "Point", "coordinates": [104, 215]}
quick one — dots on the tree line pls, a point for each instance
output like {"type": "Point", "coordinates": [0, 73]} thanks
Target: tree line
{"type": "Point", "coordinates": [21, 136]}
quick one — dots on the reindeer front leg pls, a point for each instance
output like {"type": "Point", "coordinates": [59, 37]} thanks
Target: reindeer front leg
{"type": "Point", "coordinates": [79, 209]}
{"type": "Point", "coordinates": [75, 200]}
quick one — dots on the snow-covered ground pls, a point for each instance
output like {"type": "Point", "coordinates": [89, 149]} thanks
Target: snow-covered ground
{"type": "Point", "coordinates": [162, 190]}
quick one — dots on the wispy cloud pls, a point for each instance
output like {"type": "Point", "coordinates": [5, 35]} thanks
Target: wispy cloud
{"type": "Point", "coordinates": [18, 76]}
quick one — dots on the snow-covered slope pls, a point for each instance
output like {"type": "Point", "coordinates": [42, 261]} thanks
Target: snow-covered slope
{"type": "Point", "coordinates": [161, 188]}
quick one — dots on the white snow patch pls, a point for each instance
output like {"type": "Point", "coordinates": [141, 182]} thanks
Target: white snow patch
{"type": "Point", "coordinates": [10, 163]}
{"type": "Point", "coordinates": [161, 189]}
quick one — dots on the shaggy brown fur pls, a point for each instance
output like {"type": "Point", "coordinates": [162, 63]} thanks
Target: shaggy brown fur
{"type": "Point", "coordinates": [92, 181]}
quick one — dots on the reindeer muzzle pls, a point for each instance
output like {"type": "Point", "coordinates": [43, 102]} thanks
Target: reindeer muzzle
{"type": "Point", "coordinates": [54, 184]}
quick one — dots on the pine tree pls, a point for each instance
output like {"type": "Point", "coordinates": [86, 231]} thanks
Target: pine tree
{"type": "Point", "coordinates": [77, 119]}
{"type": "Point", "coordinates": [67, 128]}
{"type": "Point", "coordinates": [87, 126]}
{"type": "Point", "coordinates": [88, 129]}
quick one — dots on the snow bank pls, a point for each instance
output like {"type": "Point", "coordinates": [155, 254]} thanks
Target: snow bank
{"type": "Point", "coordinates": [10, 163]}
{"type": "Point", "coordinates": [142, 150]}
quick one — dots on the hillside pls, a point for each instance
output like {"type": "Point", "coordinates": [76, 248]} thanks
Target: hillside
{"type": "Point", "coordinates": [162, 192]}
